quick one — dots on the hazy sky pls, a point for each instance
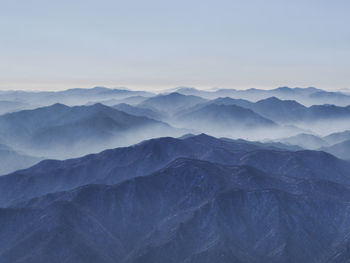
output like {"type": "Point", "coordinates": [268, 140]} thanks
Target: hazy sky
{"type": "Point", "coordinates": [47, 44]}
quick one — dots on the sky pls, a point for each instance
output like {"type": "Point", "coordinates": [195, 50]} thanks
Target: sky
{"type": "Point", "coordinates": [154, 45]}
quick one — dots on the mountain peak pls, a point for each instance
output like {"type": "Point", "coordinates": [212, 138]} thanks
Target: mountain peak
{"type": "Point", "coordinates": [99, 106]}
{"type": "Point", "coordinates": [271, 99]}
{"type": "Point", "coordinates": [58, 105]}
{"type": "Point", "coordinates": [202, 138]}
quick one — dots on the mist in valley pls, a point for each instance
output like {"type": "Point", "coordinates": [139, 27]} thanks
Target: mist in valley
{"type": "Point", "coordinates": [174, 131]}
{"type": "Point", "coordinates": [94, 120]}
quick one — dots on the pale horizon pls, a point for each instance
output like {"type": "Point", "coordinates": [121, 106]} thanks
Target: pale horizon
{"type": "Point", "coordinates": [54, 88]}
{"type": "Point", "coordinates": [157, 45]}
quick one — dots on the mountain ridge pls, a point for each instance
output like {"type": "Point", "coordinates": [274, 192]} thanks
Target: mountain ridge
{"type": "Point", "coordinates": [120, 164]}
{"type": "Point", "coordinates": [180, 210]}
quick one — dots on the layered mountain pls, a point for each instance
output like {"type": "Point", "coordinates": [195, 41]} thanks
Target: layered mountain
{"type": "Point", "coordinates": [337, 144]}
{"type": "Point", "coordinates": [139, 111]}
{"type": "Point", "coordinates": [117, 165]}
{"type": "Point", "coordinates": [223, 120]}
{"type": "Point", "coordinates": [70, 96]}
{"type": "Point", "coordinates": [307, 96]}
{"type": "Point", "coordinates": [219, 101]}
{"type": "Point", "coordinates": [286, 111]}
{"type": "Point", "coordinates": [283, 111]}
{"type": "Point", "coordinates": [327, 97]}
{"type": "Point", "coordinates": [327, 111]}
{"type": "Point", "coordinates": [307, 141]}
{"type": "Point", "coordinates": [189, 199]}
{"type": "Point", "coordinates": [188, 211]}
{"type": "Point", "coordinates": [341, 149]}
{"type": "Point", "coordinates": [11, 106]}
{"type": "Point", "coordinates": [266, 144]}
{"type": "Point", "coordinates": [337, 137]}
{"type": "Point", "coordinates": [252, 93]}
{"type": "Point", "coordinates": [171, 103]}
{"type": "Point", "coordinates": [61, 131]}
{"type": "Point", "coordinates": [280, 110]}
{"type": "Point", "coordinates": [133, 100]}
{"type": "Point", "coordinates": [11, 160]}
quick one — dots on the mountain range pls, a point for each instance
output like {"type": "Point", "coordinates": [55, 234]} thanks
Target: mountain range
{"type": "Point", "coordinates": [192, 199]}
{"type": "Point", "coordinates": [139, 111]}
{"type": "Point", "coordinates": [286, 111]}
{"type": "Point", "coordinates": [182, 176]}
{"type": "Point", "coordinates": [120, 164]}
{"type": "Point", "coordinates": [307, 96]}
{"type": "Point", "coordinates": [60, 131]}
{"type": "Point", "coordinates": [12, 160]}
{"type": "Point", "coordinates": [171, 103]}
{"type": "Point", "coordinates": [70, 96]}
{"type": "Point", "coordinates": [341, 149]}
{"type": "Point", "coordinates": [335, 143]}
{"type": "Point", "coordinates": [223, 120]}
{"type": "Point", "coordinates": [11, 106]}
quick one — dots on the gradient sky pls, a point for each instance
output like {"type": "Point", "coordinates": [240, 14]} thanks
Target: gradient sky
{"type": "Point", "coordinates": [47, 44]}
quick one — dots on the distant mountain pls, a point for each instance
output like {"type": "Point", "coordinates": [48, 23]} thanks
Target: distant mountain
{"type": "Point", "coordinates": [189, 211]}
{"type": "Point", "coordinates": [292, 112]}
{"type": "Point", "coordinates": [60, 131]}
{"type": "Point", "coordinates": [171, 103]}
{"type": "Point", "coordinates": [341, 149]}
{"type": "Point", "coordinates": [307, 141]}
{"type": "Point", "coordinates": [11, 106]}
{"type": "Point", "coordinates": [306, 96]}
{"type": "Point", "coordinates": [286, 111]}
{"type": "Point", "coordinates": [118, 165]}
{"type": "Point", "coordinates": [272, 108]}
{"type": "Point", "coordinates": [133, 100]}
{"type": "Point", "coordinates": [327, 97]}
{"type": "Point", "coordinates": [337, 137]}
{"type": "Point", "coordinates": [10, 160]}
{"type": "Point", "coordinates": [70, 96]}
{"type": "Point", "coordinates": [181, 199]}
{"type": "Point", "coordinates": [222, 119]}
{"type": "Point", "coordinates": [114, 166]}
{"type": "Point", "coordinates": [229, 101]}
{"type": "Point", "coordinates": [280, 110]}
{"type": "Point", "coordinates": [219, 101]}
{"type": "Point", "coordinates": [326, 111]}
{"type": "Point", "coordinates": [138, 111]}
{"type": "Point", "coordinates": [252, 94]}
